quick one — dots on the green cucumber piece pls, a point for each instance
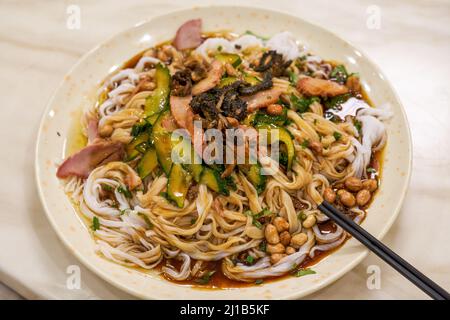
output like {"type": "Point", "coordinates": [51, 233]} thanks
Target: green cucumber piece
{"type": "Point", "coordinates": [231, 58]}
{"type": "Point", "coordinates": [178, 184]}
{"type": "Point", "coordinates": [251, 79]}
{"type": "Point", "coordinates": [254, 175]}
{"type": "Point", "coordinates": [134, 149]}
{"type": "Point", "coordinates": [195, 167]}
{"type": "Point", "coordinates": [148, 163]}
{"type": "Point", "coordinates": [211, 178]}
{"type": "Point", "coordinates": [163, 147]}
{"type": "Point", "coordinates": [227, 81]}
{"type": "Point", "coordinates": [283, 136]}
{"type": "Point", "coordinates": [159, 99]}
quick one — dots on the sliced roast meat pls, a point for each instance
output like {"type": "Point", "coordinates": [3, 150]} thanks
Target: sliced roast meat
{"type": "Point", "coordinates": [184, 117]}
{"type": "Point", "coordinates": [92, 131]}
{"type": "Point", "coordinates": [213, 78]}
{"type": "Point", "coordinates": [189, 35]}
{"type": "Point", "coordinates": [320, 87]}
{"type": "Point", "coordinates": [87, 159]}
{"type": "Point", "coordinates": [182, 112]}
{"type": "Point", "coordinates": [262, 99]}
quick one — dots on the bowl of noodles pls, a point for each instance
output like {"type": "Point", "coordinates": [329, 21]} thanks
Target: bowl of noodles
{"type": "Point", "coordinates": [188, 161]}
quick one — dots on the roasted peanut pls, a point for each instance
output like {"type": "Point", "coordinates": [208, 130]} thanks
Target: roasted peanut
{"type": "Point", "coordinates": [346, 198]}
{"type": "Point", "coordinates": [271, 234]}
{"type": "Point", "coordinates": [309, 221]}
{"type": "Point", "coordinates": [275, 248]}
{"type": "Point", "coordinates": [281, 224]}
{"type": "Point", "coordinates": [370, 184]}
{"type": "Point", "coordinates": [316, 146]}
{"type": "Point", "coordinates": [285, 238]}
{"type": "Point", "coordinates": [353, 184]}
{"type": "Point", "coordinates": [290, 250]}
{"type": "Point", "coordinates": [276, 257]}
{"type": "Point", "coordinates": [329, 195]}
{"type": "Point", "coordinates": [298, 240]}
{"type": "Point", "coordinates": [275, 109]}
{"type": "Point", "coordinates": [363, 197]}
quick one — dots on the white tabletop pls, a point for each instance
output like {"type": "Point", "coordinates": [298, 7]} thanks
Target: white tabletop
{"type": "Point", "coordinates": [411, 45]}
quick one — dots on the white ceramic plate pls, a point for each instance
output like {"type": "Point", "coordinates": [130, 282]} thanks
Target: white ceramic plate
{"type": "Point", "coordinates": [79, 87]}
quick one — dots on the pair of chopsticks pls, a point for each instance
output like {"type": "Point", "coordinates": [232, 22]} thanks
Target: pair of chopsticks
{"type": "Point", "coordinates": [404, 268]}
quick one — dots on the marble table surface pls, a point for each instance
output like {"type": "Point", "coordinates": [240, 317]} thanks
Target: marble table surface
{"type": "Point", "coordinates": [409, 40]}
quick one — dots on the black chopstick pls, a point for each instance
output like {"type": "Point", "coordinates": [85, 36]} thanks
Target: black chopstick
{"type": "Point", "coordinates": [389, 256]}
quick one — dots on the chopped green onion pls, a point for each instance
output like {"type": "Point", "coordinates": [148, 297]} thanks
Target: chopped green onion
{"type": "Point", "coordinates": [339, 74]}
{"type": "Point", "coordinates": [305, 144]}
{"type": "Point", "coordinates": [371, 170]}
{"type": "Point", "coordinates": [293, 77]}
{"type": "Point", "coordinates": [248, 213]}
{"type": "Point", "coordinates": [95, 224]}
{"type": "Point", "coordinates": [337, 135]}
{"type": "Point", "coordinates": [250, 259]}
{"type": "Point", "coordinates": [334, 102]}
{"type": "Point", "coordinates": [125, 191]}
{"type": "Point", "coordinates": [358, 125]}
{"type": "Point", "coordinates": [304, 272]}
{"type": "Point", "coordinates": [263, 213]}
{"type": "Point", "coordinates": [301, 105]}
{"type": "Point", "coordinates": [263, 246]}
{"type": "Point", "coordinates": [257, 224]}
{"type": "Point", "coordinates": [206, 278]}
{"type": "Point", "coordinates": [106, 187]}
{"type": "Point", "coordinates": [259, 281]}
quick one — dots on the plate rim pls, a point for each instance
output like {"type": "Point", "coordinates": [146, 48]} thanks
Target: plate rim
{"type": "Point", "coordinates": [320, 285]}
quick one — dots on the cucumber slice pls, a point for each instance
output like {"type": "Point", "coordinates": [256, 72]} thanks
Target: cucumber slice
{"type": "Point", "coordinates": [230, 58]}
{"type": "Point", "coordinates": [211, 178]}
{"type": "Point", "coordinates": [134, 148]}
{"type": "Point", "coordinates": [196, 171]}
{"type": "Point", "coordinates": [148, 163]}
{"type": "Point", "coordinates": [163, 148]}
{"type": "Point", "coordinates": [253, 174]}
{"type": "Point", "coordinates": [195, 167]}
{"type": "Point", "coordinates": [247, 78]}
{"type": "Point", "coordinates": [159, 99]}
{"type": "Point", "coordinates": [251, 79]}
{"type": "Point", "coordinates": [178, 185]}
{"type": "Point", "coordinates": [161, 140]}
{"type": "Point", "coordinates": [152, 119]}
{"type": "Point", "coordinates": [157, 125]}
{"type": "Point", "coordinates": [285, 137]}
{"type": "Point", "coordinates": [227, 81]}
